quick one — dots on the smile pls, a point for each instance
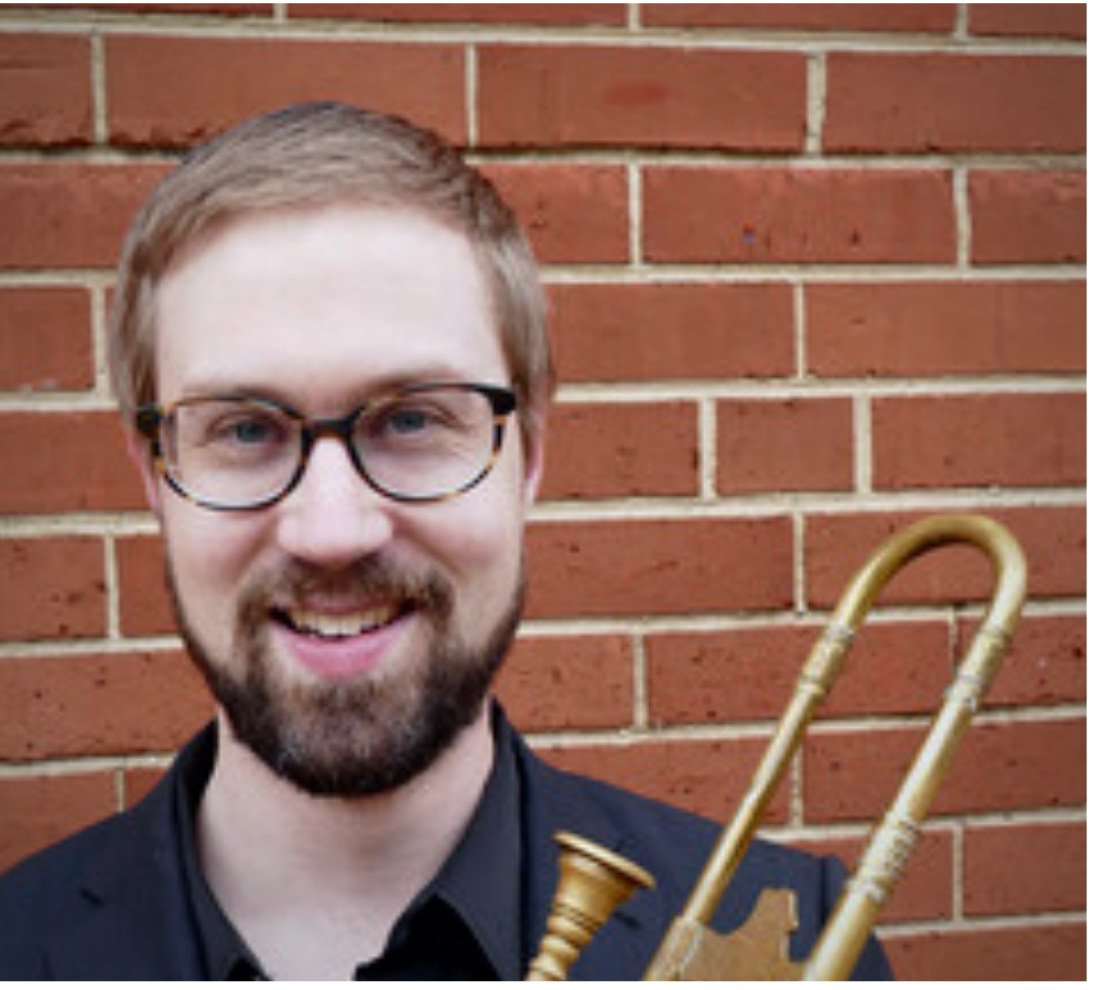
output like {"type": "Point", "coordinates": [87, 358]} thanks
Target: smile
{"type": "Point", "coordinates": [323, 625]}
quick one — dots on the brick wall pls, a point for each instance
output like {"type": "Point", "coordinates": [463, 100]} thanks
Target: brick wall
{"type": "Point", "coordinates": [815, 270]}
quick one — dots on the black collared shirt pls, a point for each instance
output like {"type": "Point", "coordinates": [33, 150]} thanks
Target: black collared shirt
{"type": "Point", "coordinates": [465, 925]}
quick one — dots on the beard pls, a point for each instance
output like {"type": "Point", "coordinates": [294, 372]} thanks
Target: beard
{"type": "Point", "coordinates": [360, 737]}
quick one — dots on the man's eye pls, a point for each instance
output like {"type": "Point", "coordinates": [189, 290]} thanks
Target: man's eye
{"type": "Point", "coordinates": [247, 431]}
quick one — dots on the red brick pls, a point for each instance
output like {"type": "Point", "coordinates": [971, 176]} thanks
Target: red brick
{"type": "Point", "coordinates": [169, 9]}
{"type": "Point", "coordinates": [522, 14]}
{"type": "Point", "coordinates": [900, 17]}
{"type": "Point", "coordinates": [946, 328]}
{"type": "Point", "coordinates": [1025, 216]}
{"type": "Point", "coordinates": [176, 91]}
{"type": "Point", "coordinates": [38, 811]}
{"type": "Point", "coordinates": [62, 215]}
{"type": "Point", "coordinates": [672, 332]}
{"type": "Point", "coordinates": [138, 781]}
{"type": "Point", "coordinates": [809, 216]}
{"type": "Point", "coordinates": [45, 340]}
{"type": "Point", "coordinates": [622, 450]}
{"type": "Point", "coordinates": [1043, 951]}
{"type": "Point", "coordinates": [785, 445]}
{"type": "Point", "coordinates": [45, 90]}
{"type": "Point", "coordinates": [65, 462]}
{"type": "Point", "coordinates": [572, 214]}
{"type": "Point", "coordinates": [1047, 20]}
{"type": "Point", "coordinates": [145, 605]}
{"type": "Point", "coordinates": [660, 567]}
{"type": "Point", "coordinates": [1046, 664]}
{"type": "Point", "coordinates": [853, 776]}
{"type": "Point", "coordinates": [1053, 540]}
{"type": "Point", "coordinates": [555, 683]}
{"type": "Point", "coordinates": [928, 103]}
{"type": "Point", "coordinates": [100, 705]}
{"type": "Point", "coordinates": [52, 588]}
{"type": "Point", "coordinates": [650, 97]}
{"type": "Point", "coordinates": [748, 674]}
{"type": "Point", "coordinates": [979, 440]}
{"type": "Point", "coordinates": [925, 891]}
{"type": "Point", "coordinates": [1024, 869]}
{"type": "Point", "coordinates": [703, 777]}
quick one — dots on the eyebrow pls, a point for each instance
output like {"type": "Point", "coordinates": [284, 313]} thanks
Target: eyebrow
{"type": "Point", "coordinates": [358, 395]}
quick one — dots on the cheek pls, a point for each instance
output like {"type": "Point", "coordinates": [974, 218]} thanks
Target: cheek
{"type": "Point", "coordinates": [209, 555]}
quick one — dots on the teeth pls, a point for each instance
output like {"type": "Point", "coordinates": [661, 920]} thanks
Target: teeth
{"type": "Point", "coordinates": [340, 626]}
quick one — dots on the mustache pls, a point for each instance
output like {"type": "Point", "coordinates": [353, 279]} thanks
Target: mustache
{"type": "Point", "coordinates": [297, 583]}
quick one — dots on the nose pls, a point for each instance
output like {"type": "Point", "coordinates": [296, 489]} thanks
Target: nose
{"type": "Point", "coordinates": [332, 518]}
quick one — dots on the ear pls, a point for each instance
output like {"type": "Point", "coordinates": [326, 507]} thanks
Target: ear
{"type": "Point", "coordinates": [141, 455]}
{"type": "Point", "coordinates": [534, 449]}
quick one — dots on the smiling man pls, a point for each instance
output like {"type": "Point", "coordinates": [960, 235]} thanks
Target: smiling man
{"type": "Point", "coordinates": [329, 346]}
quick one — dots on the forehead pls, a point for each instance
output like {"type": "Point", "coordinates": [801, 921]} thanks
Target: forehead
{"type": "Point", "coordinates": [326, 302]}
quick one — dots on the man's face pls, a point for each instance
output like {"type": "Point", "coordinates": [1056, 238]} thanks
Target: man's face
{"type": "Point", "coordinates": [347, 637]}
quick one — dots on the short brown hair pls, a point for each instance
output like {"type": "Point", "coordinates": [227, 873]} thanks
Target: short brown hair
{"type": "Point", "coordinates": [318, 154]}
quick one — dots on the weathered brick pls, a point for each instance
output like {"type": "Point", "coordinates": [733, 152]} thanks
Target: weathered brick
{"type": "Point", "coordinates": [66, 215]}
{"type": "Point", "coordinates": [552, 683]}
{"type": "Point", "coordinates": [522, 14]}
{"type": "Point", "coordinates": [65, 462]}
{"type": "Point", "coordinates": [1025, 216]}
{"type": "Point", "coordinates": [659, 567]}
{"type": "Point", "coordinates": [1037, 20]}
{"type": "Point", "coordinates": [52, 588]}
{"type": "Point", "coordinates": [804, 216]}
{"type": "Point", "coordinates": [703, 777]}
{"type": "Point", "coordinates": [175, 91]}
{"type": "Point", "coordinates": [785, 445]}
{"type": "Point", "coordinates": [45, 90]}
{"type": "Point", "coordinates": [1024, 868]}
{"type": "Point", "coordinates": [145, 605]}
{"type": "Point", "coordinates": [946, 328]}
{"type": "Point", "coordinates": [45, 340]}
{"type": "Point", "coordinates": [954, 103]}
{"type": "Point", "coordinates": [899, 17]}
{"type": "Point", "coordinates": [1014, 440]}
{"type": "Point", "coordinates": [659, 97]}
{"type": "Point", "coordinates": [633, 449]}
{"type": "Point", "coordinates": [1042, 951]}
{"type": "Point", "coordinates": [70, 706]}
{"type": "Point", "coordinates": [572, 214]}
{"type": "Point", "coordinates": [672, 332]}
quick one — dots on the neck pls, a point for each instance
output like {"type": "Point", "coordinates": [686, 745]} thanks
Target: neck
{"type": "Point", "coordinates": [316, 883]}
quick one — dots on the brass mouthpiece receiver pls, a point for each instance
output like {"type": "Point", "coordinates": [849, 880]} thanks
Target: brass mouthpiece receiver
{"type": "Point", "coordinates": [593, 882]}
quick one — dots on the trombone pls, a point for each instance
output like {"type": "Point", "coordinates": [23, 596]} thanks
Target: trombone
{"type": "Point", "coordinates": [594, 881]}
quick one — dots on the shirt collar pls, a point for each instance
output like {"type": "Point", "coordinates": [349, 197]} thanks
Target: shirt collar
{"type": "Point", "coordinates": [486, 899]}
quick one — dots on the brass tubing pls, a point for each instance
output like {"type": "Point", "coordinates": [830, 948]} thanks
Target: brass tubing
{"type": "Point", "coordinates": [690, 950]}
{"type": "Point", "coordinates": [849, 927]}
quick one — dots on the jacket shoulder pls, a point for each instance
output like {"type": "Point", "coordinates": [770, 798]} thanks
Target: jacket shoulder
{"type": "Point", "coordinates": [46, 894]}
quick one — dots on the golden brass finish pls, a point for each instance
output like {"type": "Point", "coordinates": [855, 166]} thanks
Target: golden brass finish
{"type": "Point", "coordinates": [690, 951]}
{"type": "Point", "coordinates": [593, 882]}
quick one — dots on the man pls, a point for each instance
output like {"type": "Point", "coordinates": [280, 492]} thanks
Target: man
{"type": "Point", "coordinates": [328, 345]}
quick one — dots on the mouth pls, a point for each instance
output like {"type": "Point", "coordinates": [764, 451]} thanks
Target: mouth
{"type": "Point", "coordinates": [341, 626]}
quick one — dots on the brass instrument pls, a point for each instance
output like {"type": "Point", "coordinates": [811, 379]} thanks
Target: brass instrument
{"type": "Point", "coordinates": [758, 950]}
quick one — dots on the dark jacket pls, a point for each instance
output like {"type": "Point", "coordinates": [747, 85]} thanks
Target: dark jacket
{"type": "Point", "coordinates": [105, 904]}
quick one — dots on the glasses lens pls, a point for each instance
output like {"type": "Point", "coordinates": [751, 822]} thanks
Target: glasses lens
{"type": "Point", "coordinates": [231, 452]}
{"type": "Point", "coordinates": [427, 443]}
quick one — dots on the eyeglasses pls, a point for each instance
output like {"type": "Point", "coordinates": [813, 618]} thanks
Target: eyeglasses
{"type": "Point", "coordinates": [423, 443]}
